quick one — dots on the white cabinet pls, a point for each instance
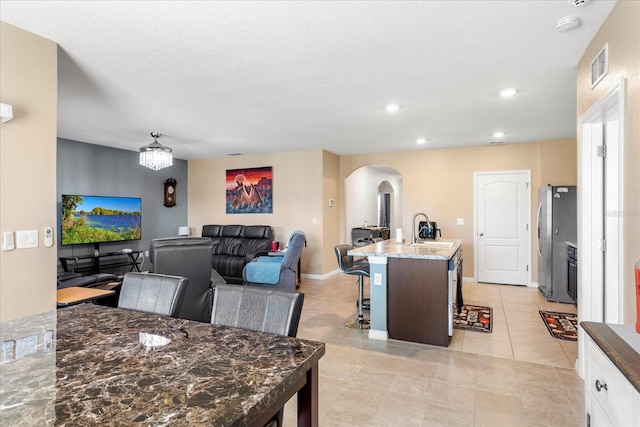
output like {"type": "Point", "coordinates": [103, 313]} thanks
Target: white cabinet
{"type": "Point", "coordinates": [610, 399]}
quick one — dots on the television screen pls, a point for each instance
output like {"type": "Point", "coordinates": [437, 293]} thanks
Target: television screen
{"type": "Point", "coordinates": [97, 219]}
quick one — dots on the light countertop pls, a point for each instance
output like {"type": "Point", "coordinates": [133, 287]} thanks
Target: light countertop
{"type": "Point", "coordinates": [440, 249]}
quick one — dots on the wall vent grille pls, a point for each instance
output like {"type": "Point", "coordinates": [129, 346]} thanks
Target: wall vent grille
{"type": "Point", "coordinates": [600, 66]}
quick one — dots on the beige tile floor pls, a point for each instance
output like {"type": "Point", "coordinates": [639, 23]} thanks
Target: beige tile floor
{"type": "Point", "coordinates": [516, 376]}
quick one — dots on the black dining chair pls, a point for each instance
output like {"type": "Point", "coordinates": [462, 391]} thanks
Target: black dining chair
{"type": "Point", "coordinates": [259, 309]}
{"type": "Point", "coordinates": [274, 311]}
{"type": "Point", "coordinates": [347, 265]}
{"type": "Point", "coordinates": [152, 293]}
{"type": "Point", "coordinates": [188, 257]}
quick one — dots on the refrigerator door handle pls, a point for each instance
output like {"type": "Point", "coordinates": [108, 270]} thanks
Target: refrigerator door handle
{"type": "Point", "coordinates": [538, 222]}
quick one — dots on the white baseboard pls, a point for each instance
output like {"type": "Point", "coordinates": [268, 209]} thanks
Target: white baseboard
{"type": "Point", "coordinates": [320, 276]}
{"type": "Point", "coordinates": [533, 285]}
{"type": "Point", "coordinates": [378, 335]}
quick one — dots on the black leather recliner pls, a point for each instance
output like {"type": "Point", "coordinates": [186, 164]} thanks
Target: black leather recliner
{"type": "Point", "coordinates": [188, 257]}
{"type": "Point", "coordinates": [234, 246]}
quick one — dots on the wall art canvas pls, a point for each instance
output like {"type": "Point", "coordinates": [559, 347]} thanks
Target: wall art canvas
{"type": "Point", "coordinates": [249, 190]}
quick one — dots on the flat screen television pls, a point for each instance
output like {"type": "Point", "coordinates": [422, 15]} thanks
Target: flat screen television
{"type": "Point", "coordinates": [99, 219]}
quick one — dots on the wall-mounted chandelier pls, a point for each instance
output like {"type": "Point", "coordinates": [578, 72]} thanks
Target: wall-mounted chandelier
{"type": "Point", "coordinates": [155, 156]}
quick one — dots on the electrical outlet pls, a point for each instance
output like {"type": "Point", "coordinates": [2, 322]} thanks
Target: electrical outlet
{"type": "Point", "coordinates": [460, 221]}
{"type": "Point", "coordinates": [377, 279]}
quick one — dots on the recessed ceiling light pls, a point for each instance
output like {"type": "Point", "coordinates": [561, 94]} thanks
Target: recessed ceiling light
{"type": "Point", "coordinates": [392, 108]}
{"type": "Point", "coordinates": [498, 134]}
{"type": "Point", "coordinates": [421, 141]}
{"type": "Point", "coordinates": [507, 92]}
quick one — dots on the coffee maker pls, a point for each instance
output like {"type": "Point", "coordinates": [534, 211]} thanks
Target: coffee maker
{"type": "Point", "coordinates": [428, 230]}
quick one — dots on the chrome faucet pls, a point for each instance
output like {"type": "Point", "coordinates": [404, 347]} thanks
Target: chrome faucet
{"type": "Point", "coordinates": [413, 228]}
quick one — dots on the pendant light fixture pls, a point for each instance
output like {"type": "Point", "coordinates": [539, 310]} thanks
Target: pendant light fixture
{"type": "Point", "coordinates": [155, 156]}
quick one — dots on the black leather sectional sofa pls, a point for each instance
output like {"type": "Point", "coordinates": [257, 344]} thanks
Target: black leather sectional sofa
{"type": "Point", "coordinates": [236, 245]}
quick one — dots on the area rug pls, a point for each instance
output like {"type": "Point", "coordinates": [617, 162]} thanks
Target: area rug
{"type": "Point", "coordinates": [473, 318]}
{"type": "Point", "coordinates": [563, 326]}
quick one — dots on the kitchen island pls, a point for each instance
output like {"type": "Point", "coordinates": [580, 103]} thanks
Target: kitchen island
{"type": "Point", "coordinates": [412, 289]}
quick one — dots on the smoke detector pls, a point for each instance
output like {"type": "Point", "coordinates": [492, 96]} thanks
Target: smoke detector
{"type": "Point", "coordinates": [567, 23]}
{"type": "Point", "coordinates": [578, 3]}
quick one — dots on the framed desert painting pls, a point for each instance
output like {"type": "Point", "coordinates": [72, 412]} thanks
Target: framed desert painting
{"type": "Point", "coordinates": [249, 190]}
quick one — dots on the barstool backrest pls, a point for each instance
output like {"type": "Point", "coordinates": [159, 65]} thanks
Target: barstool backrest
{"type": "Point", "coordinates": [344, 261]}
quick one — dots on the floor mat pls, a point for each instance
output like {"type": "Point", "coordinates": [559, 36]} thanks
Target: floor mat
{"type": "Point", "coordinates": [563, 326]}
{"type": "Point", "coordinates": [476, 318]}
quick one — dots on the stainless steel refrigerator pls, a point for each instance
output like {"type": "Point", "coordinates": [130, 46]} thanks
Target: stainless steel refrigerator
{"type": "Point", "coordinates": [557, 218]}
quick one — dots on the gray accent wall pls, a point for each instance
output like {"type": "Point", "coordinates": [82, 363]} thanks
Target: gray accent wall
{"type": "Point", "coordinates": [95, 170]}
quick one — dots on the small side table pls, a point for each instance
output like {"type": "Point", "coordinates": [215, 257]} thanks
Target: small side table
{"type": "Point", "coordinates": [298, 276]}
{"type": "Point", "coordinates": [76, 294]}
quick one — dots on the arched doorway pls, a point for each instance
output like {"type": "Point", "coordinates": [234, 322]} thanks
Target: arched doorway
{"type": "Point", "coordinates": [363, 188]}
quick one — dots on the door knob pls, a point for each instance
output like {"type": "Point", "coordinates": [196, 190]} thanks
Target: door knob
{"type": "Point", "coordinates": [481, 234]}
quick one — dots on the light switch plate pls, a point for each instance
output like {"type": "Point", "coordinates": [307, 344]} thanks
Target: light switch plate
{"type": "Point", "coordinates": [7, 241]}
{"type": "Point", "coordinates": [8, 350]}
{"type": "Point", "coordinates": [26, 345]}
{"type": "Point", "coordinates": [26, 239]}
{"type": "Point", "coordinates": [460, 221]}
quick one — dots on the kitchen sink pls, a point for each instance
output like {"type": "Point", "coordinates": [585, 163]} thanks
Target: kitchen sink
{"type": "Point", "coordinates": [432, 244]}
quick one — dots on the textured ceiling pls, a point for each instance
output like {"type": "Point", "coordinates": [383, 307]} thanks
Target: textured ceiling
{"type": "Point", "coordinates": [220, 77]}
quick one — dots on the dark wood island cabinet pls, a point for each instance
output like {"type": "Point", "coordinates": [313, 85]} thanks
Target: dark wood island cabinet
{"type": "Point", "coordinates": [413, 288]}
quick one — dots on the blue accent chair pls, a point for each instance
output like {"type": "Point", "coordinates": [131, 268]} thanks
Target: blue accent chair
{"type": "Point", "coordinates": [277, 271]}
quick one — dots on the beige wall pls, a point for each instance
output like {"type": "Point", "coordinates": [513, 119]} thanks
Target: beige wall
{"type": "Point", "coordinates": [622, 32]}
{"type": "Point", "coordinates": [28, 66]}
{"type": "Point", "coordinates": [440, 182]}
{"type": "Point", "coordinates": [331, 214]}
{"type": "Point", "coordinates": [297, 198]}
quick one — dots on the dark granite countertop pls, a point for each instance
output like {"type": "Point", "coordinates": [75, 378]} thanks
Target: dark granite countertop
{"type": "Point", "coordinates": [621, 353]}
{"type": "Point", "coordinates": [100, 374]}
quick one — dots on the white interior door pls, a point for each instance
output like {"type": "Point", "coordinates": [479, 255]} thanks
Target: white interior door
{"type": "Point", "coordinates": [601, 213]}
{"type": "Point", "coordinates": [502, 218]}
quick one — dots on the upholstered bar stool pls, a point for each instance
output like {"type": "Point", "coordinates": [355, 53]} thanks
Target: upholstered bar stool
{"type": "Point", "coordinates": [360, 269]}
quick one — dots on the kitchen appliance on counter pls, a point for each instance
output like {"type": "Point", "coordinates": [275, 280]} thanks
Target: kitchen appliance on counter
{"type": "Point", "coordinates": [428, 230]}
{"type": "Point", "coordinates": [557, 216]}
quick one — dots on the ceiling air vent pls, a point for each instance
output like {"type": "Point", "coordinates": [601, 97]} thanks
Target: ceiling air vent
{"type": "Point", "coordinates": [578, 3]}
{"type": "Point", "coordinates": [600, 66]}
